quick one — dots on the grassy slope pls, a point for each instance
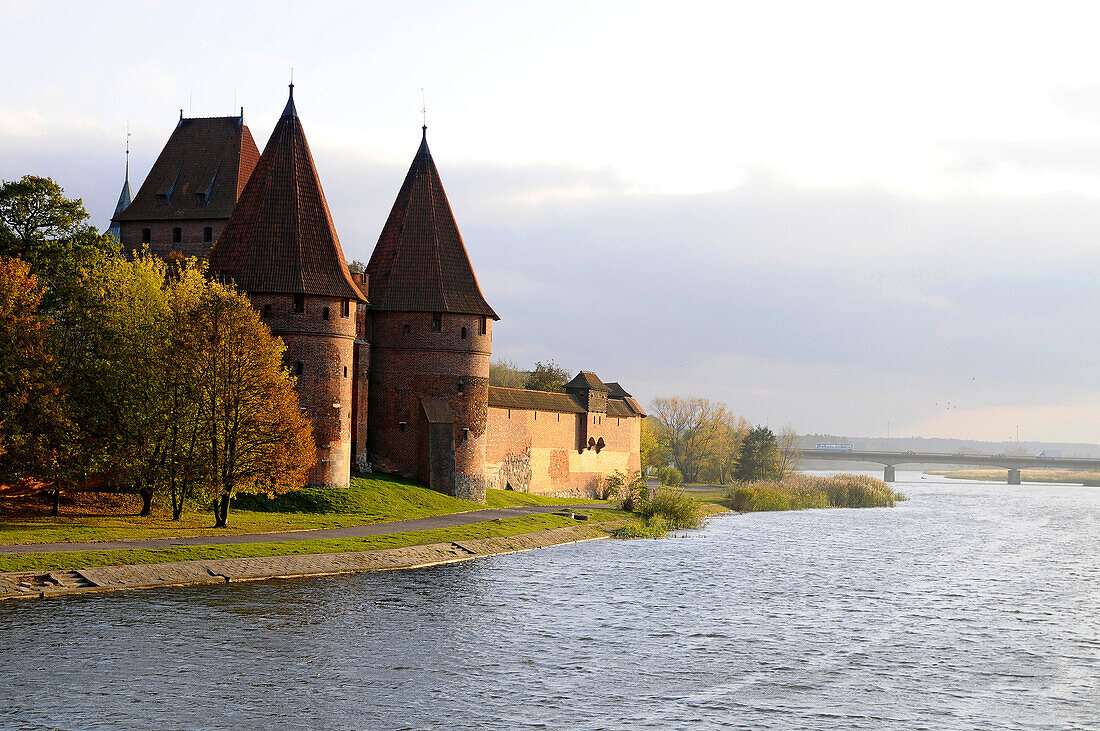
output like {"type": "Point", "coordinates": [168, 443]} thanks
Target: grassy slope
{"type": "Point", "coordinates": [370, 499]}
{"type": "Point", "coordinates": [502, 527]}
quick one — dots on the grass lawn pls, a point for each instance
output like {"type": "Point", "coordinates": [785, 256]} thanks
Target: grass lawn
{"type": "Point", "coordinates": [370, 499]}
{"type": "Point", "coordinates": [505, 527]}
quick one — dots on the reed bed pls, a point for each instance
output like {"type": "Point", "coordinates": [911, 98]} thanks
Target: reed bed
{"type": "Point", "coordinates": [801, 492]}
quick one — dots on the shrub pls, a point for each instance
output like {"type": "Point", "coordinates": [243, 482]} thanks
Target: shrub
{"type": "Point", "coordinates": [628, 488]}
{"type": "Point", "coordinates": [670, 476]}
{"type": "Point", "coordinates": [674, 507]}
{"type": "Point", "coordinates": [799, 492]}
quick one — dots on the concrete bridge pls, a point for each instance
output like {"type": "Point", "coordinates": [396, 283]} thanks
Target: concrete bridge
{"type": "Point", "coordinates": [1011, 463]}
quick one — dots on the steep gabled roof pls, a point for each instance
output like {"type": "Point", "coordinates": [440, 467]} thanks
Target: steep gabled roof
{"type": "Point", "coordinates": [420, 263]}
{"type": "Point", "coordinates": [587, 380]}
{"type": "Point", "coordinates": [281, 239]}
{"type": "Point", "coordinates": [212, 156]}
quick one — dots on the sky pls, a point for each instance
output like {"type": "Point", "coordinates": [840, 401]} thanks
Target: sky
{"type": "Point", "coordinates": [851, 218]}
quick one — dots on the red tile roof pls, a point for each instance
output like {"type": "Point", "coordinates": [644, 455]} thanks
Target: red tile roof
{"type": "Point", "coordinates": [211, 156]}
{"type": "Point", "coordinates": [587, 380]}
{"type": "Point", "coordinates": [281, 238]}
{"type": "Point", "coordinates": [420, 263]}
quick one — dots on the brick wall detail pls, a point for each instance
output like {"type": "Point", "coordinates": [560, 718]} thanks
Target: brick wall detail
{"type": "Point", "coordinates": [544, 444]}
{"type": "Point", "coordinates": [410, 360]}
{"type": "Point", "coordinates": [326, 350]}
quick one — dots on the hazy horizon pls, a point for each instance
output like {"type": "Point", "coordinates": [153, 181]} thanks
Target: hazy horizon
{"type": "Point", "coordinates": [836, 217]}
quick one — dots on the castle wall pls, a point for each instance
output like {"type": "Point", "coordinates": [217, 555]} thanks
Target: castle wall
{"type": "Point", "coordinates": [326, 351]}
{"type": "Point", "coordinates": [543, 452]}
{"type": "Point", "coordinates": [410, 360]}
{"type": "Point", "coordinates": [160, 233]}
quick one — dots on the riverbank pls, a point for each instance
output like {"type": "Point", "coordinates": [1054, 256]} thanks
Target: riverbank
{"type": "Point", "coordinates": [42, 584]}
{"type": "Point", "coordinates": [1062, 477]}
{"type": "Point", "coordinates": [369, 500]}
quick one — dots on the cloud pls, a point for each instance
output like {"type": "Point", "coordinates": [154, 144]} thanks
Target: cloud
{"type": "Point", "coordinates": [833, 310]}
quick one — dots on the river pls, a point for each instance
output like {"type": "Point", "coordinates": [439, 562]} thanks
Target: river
{"type": "Point", "coordinates": [972, 605]}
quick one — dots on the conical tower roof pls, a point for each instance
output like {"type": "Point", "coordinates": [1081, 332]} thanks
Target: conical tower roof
{"type": "Point", "coordinates": [420, 263]}
{"type": "Point", "coordinates": [124, 199]}
{"type": "Point", "coordinates": [280, 238]}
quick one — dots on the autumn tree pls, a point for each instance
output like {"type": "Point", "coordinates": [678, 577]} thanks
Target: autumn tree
{"type": "Point", "coordinates": [507, 374]}
{"type": "Point", "coordinates": [760, 458]}
{"type": "Point", "coordinates": [688, 427]}
{"type": "Point", "coordinates": [36, 434]}
{"type": "Point", "coordinates": [255, 435]}
{"type": "Point", "coordinates": [652, 448]}
{"type": "Point", "coordinates": [789, 452]}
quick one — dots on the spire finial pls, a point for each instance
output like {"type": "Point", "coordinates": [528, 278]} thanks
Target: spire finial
{"type": "Point", "coordinates": [423, 109]}
{"type": "Point", "coordinates": [127, 151]}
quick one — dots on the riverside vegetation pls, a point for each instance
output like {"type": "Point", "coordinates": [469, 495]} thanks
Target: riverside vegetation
{"type": "Point", "coordinates": [800, 492]}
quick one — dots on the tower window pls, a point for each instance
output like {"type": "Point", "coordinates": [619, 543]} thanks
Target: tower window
{"type": "Point", "coordinates": [298, 368]}
{"type": "Point", "coordinates": [405, 331]}
{"type": "Point", "coordinates": [463, 333]}
{"type": "Point", "coordinates": [267, 310]}
{"type": "Point", "coordinates": [484, 324]}
{"type": "Point", "coordinates": [299, 303]}
{"type": "Point", "coordinates": [162, 199]}
{"type": "Point", "coordinates": [177, 235]}
{"type": "Point", "coordinates": [437, 322]}
{"type": "Point", "coordinates": [200, 199]}
{"type": "Point", "coordinates": [324, 314]}
{"type": "Point", "coordinates": [461, 387]}
{"type": "Point", "coordinates": [465, 434]}
{"type": "Point", "coordinates": [345, 308]}
{"type": "Point", "coordinates": [345, 371]}
{"type": "Point", "coordinates": [146, 235]}
{"type": "Point", "coordinates": [207, 234]}
{"type": "Point", "coordinates": [401, 425]}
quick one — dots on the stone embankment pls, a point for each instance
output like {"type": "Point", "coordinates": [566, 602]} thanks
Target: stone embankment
{"type": "Point", "coordinates": [33, 584]}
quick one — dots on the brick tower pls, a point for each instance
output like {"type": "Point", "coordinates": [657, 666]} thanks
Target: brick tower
{"type": "Point", "coordinates": [189, 194]}
{"type": "Point", "coordinates": [431, 338]}
{"type": "Point", "coordinates": [280, 247]}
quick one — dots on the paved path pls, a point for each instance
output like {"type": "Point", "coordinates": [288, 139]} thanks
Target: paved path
{"type": "Point", "coordinates": [355, 531]}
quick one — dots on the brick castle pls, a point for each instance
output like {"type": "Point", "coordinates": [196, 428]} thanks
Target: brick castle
{"type": "Point", "coordinates": [392, 364]}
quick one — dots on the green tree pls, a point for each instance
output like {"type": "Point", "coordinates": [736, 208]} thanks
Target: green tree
{"type": "Point", "coordinates": [255, 435]}
{"type": "Point", "coordinates": [36, 434]}
{"type": "Point", "coordinates": [122, 322]}
{"type": "Point", "coordinates": [49, 231]}
{"type": "Point", "coordinates": [547, 377]}
{"type": "Point", "coordinates": [760, 458]}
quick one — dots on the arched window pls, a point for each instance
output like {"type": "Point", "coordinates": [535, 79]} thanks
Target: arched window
{"type": "Point", "coordinates": [177, 235]}
{"type": "Point", "coordinates": [345, 371]}
{"type": "Point", "coordinates": [267, 310]}
{"type": "Point", "coordinates": [298, 368]}
{"type": "Point", "coordinates": [299, 303]}
{"type": "Point", "coordinates": [324, 314]}
{"type": "Point", "coordinates": [146, 235]}
{"type": "Point", "coordinates": [463, 333]}
{"type": "Point", "coordinates": [599, 445]}
{"type": "Point", "coordinates": [208, 234]}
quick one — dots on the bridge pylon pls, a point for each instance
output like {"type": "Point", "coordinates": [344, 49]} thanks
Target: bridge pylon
{"type": "Point", "coordinates": [1014, 477]}
{"type": "Point", "coordinates": [888, 474]}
